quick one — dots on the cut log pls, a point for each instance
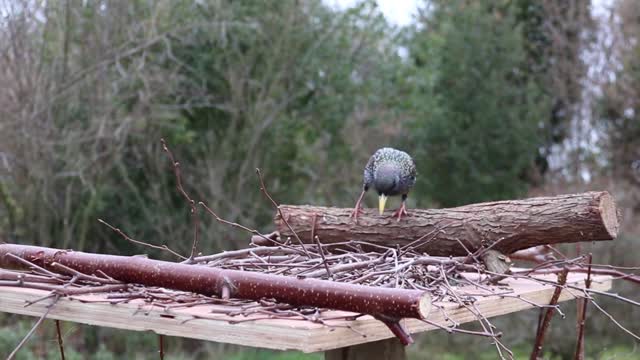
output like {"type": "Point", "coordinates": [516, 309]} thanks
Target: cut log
{"type": "Point", "coordinates": [376, 301]}
{"type": "Point", "coordinates": [506, 226]}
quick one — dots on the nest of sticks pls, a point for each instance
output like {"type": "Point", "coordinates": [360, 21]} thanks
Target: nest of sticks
{"type": "Point", "coordinates": [459, 280]}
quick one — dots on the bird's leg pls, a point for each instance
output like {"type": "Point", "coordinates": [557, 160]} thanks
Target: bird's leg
{"type": "Point", "coordinates": [403, 208]}
{"type": "Point", "coordinates": [358, 209]}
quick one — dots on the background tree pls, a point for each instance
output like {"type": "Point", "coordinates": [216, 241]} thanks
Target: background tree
{"type": "Point", "coordinates": [284, 86]}
{"type": "Point", "coordinates": [556, 36]}
{"type": "Point", "coordinates": [480, 108]}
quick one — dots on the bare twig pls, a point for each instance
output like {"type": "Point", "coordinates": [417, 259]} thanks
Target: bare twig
{"type": "Point", "coordinates": [456, 329]}
{"type": "Point", "coordinates": [617, 273]}
{"type": "Point", "coordinates": [34, 267]}
{"type": "Point", "coordinates": [128, 238]}
{"type": "Point", "coordinates": [82, 276]}
{"type": "Point", "coordinates": [33, 329]}
{"type": "Point", "coordinates": [242, 253]}
{"type": "Point", "coordinates": [192, 203]}
{"type": "Point", "coordinates": [582, 316]}
{"type": "Point", "coordinates": [161, 346]}
{"type": "Point", "coordinates": [60, 342]}
{"type": "Point", "coordinates": [398, 330]}
{"type": "Point", "coordinates": [546, 320]}
{"type": "Point", "coordinates": [316, 239]}
{"type": "Point", "coordinates": [613, 319]}
{"type": "Point", "coordinates": [236, 225]}
{"type": "Point", "coordinates": [263, 188]}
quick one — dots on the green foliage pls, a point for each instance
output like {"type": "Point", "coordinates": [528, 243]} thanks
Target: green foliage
{"type": "Point", "coordinates": [230, 85]}
{"type": "Point", "coordinates": [251, 354]}
{"type": "Point", "coordinates": [477, 111]}
{"type": "Point", "coordinates": [281, 83]}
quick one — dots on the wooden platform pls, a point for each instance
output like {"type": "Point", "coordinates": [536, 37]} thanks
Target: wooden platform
{"type": "Point", "coordinates": [279, 334]}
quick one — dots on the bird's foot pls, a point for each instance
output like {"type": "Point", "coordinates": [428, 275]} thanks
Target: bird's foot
{"type": "Point", "coordinates": [358, 208]}
{"type": "Point", "coordinates": [401, 211]}
{"type": "Point", "coordinates": [355, 213]}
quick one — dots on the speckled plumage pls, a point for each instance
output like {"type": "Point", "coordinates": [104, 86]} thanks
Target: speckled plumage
{"type": "Point", "coordinates": [390, 172]}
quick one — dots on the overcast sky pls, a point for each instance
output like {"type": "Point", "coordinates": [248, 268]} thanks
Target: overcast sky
{"type": "Point", "coordinates": [401, 12]}
{"type": "Point", "coordinates": [398, 12]}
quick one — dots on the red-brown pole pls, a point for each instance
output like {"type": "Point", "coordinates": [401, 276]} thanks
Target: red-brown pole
{"type": "Point", "coordinates": [394, 303]}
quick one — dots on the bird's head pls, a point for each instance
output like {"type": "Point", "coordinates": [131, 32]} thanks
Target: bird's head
{"type": "Point", "coordinates": [386, 180]}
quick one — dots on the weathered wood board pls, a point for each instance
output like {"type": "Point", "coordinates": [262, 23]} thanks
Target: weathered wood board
{"type": "Point", "coordinates": [272, 333]}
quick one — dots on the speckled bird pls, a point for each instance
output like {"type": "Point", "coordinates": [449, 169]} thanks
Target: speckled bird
{"type": "Point", "coordinates": [390, 172]}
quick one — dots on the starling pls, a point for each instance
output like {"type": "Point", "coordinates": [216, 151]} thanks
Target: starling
{"type": "Point", "coordinates": [390, 172]}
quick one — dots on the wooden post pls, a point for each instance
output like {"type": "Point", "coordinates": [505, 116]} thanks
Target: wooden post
{"type": "Point", "coordinates": [388, 349]}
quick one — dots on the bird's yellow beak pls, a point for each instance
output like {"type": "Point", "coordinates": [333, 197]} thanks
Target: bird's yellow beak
{"type": "Point", "coordinates": [382, 200]}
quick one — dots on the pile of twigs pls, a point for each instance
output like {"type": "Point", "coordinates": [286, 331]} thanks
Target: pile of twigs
{"type": "Point", "coordinates": [448, 280]}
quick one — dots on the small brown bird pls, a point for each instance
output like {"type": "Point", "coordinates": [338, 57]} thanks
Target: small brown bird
{"type": "Point", "coordinates": [390, 172]}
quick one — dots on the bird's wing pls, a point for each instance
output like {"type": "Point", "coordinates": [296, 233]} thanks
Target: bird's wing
{"type": "Point", "coordinates": [413, 173]}
{"type": "Point", "coordinates": [368, 172]}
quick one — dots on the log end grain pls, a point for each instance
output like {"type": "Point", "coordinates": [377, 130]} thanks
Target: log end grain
{"type": "Point", "coordinates": [424, 305]}
{"type": "Point", "coordinates": [609, 214]}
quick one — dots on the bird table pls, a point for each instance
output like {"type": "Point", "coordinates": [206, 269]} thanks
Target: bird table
{"type": "Point", "coordinates": [362, 338]}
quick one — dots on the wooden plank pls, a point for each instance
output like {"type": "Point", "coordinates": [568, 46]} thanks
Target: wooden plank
{"type": "Point", "coordinates": [274, 333]}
